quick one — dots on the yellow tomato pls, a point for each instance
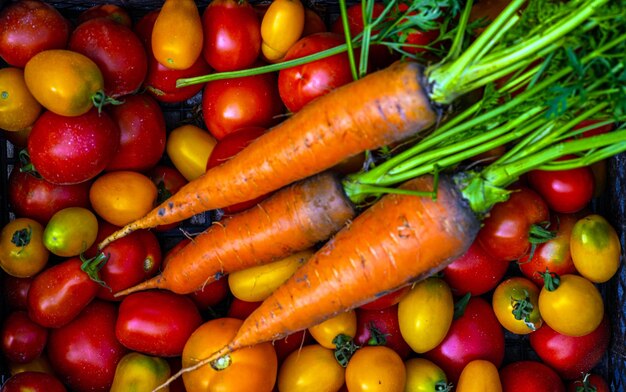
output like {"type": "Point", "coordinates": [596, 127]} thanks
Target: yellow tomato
{"type": "Point", "coordinates": [479, 376]}
{"type": "Point", "coordinates": [177, 35]}
{"type": "Point", "coordinates": [189, 148]}
{"type": "Point", "coordinates": [257, 283]}
{"type": "Point", "coordinates": [312, 368]}
{"type": "Point", "coordinates": [573, 308]}
{"type": "Point", "coordinates": [423, 375]}
{"type": "Point", "coordinates": [515, 303]}
{"type": "Point", "coordinates": [595, 248]}
{"type": "Point", "coordinates": [139, 372]}
{"type": "Point", "coordinates": [18, 108]}
{"type": "Point", "coordinates": [70, 231]}
{"type": "Point", "coordinates": [120, 197]}
{"type": "Point", "coordinates": [425, 314]}
{"type": "Point", "coordinates": [22, 252]}
{"type": "Point", "coordinates": [64, 82]}
{"type": "Point", "coordinates": [375, 368]}
{"type": "Point", "coordinates": [281, 27]}
{"type": "Point", "coordinates": [342, 324]}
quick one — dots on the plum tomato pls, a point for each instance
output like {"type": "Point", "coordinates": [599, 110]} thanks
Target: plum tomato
{"type": "Point", "coordinates": [479, 376]}
{"type": "Point", "coordinates": [189, 148]}
{"type": "Point", "coordinates": [565, 191]}
{"type": "Point", "coordinates": [375, 368]}
{"type": "Point", "coordinates": [240, 309]}
{"type": "Point", "coordinates": [18, 107]}
{"type": "Point", "coordinates": [524, 376]}
{"type": "Point", "coordinates": [22, 339]}
{"type": "Point", "coordinates": [136, 371]}
{"type": "Point", "coordinates": [15, 291]}
{"type": "Point", "coordinates": [33, 381]}
{"type": "Point", "coordinates": [381, 328]}
{"type": "Point", "coordinates": [595, 248]}
{"type": "Point", "coordinates": [22, 250]}
{"type": "Point", "coordinates": [110, 11]}
{"type": "Point", "coordinates": [177, 36]}
{"type": "Point", "coordinates": [325, 332]}
{"type": "Point", "coordinates": [281, 27]}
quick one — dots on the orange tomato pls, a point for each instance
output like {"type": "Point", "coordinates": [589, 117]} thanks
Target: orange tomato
{"type": "Point", "coordinates": [515, 303]}
{"type": "Point", "coordinates": [18, 108]}
{"type": "Point", "coordinates": [22, 251]}
{"type": "Point", "coordinates": [479, 376]}
{"type": "Point", "coordinates": [342, 324]}
{"type": "Point", "coordinates": [312, 368]}
{"type": "Point", "coordinates": [281, 27]}
{"type": "Point", "coordinates": [375, 368]}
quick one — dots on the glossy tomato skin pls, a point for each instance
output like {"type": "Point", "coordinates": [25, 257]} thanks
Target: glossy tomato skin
{"type": "Point", "coordinates": [142, 130]}
{"type": "Point", "coordinates": [211, 294]}
{"type": "Point", "coordinates": [341, 324]}
{"type": "Point", "coordinates": [524, 376]}
{"type": "Point", "coordinates": [373, 324]}
{"type": "Point", "coordinates": [189, 148]}
{"type": "Point", "coordinates": [514, 302]}
{"type": "Point", "coordinates": [571, 356]}
{"type": "Point", "coordinates": [70, 150]}
{"type": "Point", "coordinates": [85, 353]}
{"type": "Point", "coordinates": [477, 334]}
{"type": "Point", "coordinates": [29, 27]}
{"type": "Point", "coordinates": [375, 368]}
{"type": "Point", "coordinates": [116, 50]}
{"type": "Point", "coordinates": [241, 309]}
{"type": "Point", "coordinates": [156, 322]}
{"type": "Point", "coordinates": [311, 368]}
{"type": "Point", "coordinates": [33, 381]}
{"type": "Point", "coordinates": [423, 375]}
{"type": "Point", "coordinates": [595, 248]}
{"type": "Point", "coordinates": [22, 249]}
{"type": "Point", "coordinates": [231, 104]}
{"type": "Point", "coordinates": [19, 108]}
{"type": "Point", "coordinates": [23, 340]}
{"type": "Point", "coordinates": [301, 84]}
{"type": "Point", "coordinates": [565, 191]}
{"type": "Point", "coordinates": [58, 294]}
{"type": "Point", "coordinates": [232, 35]}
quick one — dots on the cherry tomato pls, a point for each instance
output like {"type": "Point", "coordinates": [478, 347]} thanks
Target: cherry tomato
{"type": "Point", "coordinates": [310, 369]}
{"type": "Point", "coordinates": [70, 150]}
{"type": "Point", "coordinates": [240, 309]}
{"type": "Point", "coordinates": [515, 304]}
{"type": "Point", "coordinates": [33, 381]}
{"type": "Point", "coordinates": [231, 104]}
{"type": "Point", "coordinates": [232, 35]}
{"type": "Point", "coordinates": [524, 376]}
{"type": "Point", "coordinates": [249, 369]}
{"type": "Point", "coordinates": [211, 294]}
{"type": "Point", "coordinates": [387, 300]}
{"type": "Point", "coordinates": [137, 371]}
{"type": "Point", "coordinates": [70, 231]}
{"type": "Point", "coordinates": [588, 383]}
{"type": "Point", "coordinates": [565, 191]}
{"type": "Point", "coordinates": [381, 328]}
{"type": "Point", "coordinates": [18, 108]}
{"type": "Point", "coordinates": [423, 375]}
{"type": "Point", "coordinates": [375, 368]}
{"type": "Point", "coordinates": [15, 291]}
{"type": "Point", "coordinates": [301, 84]}
{"type": "Point", "coordinates": [120, 197]}
{"type": "Point", "coordinates": [85, 352]}
{"type": "Point", "coordinates": [595, 248]}
{"type": "Point", "coordinates": [479, 376]}
{"type": "Point", "coordinates": [281, 27]}
{"type": "Point", "coordinates": [22, 250]}
{"type": "Point", "coordinates": [168, 181]}
{"type": "Point", "coordinates": [325, 332]}
{"type": "Point", "coordinates": [156, 322]}
{"type": "Point", "coordinates": [23, 340]}
{"type": "Point", "coordinates": [110, 11]}
{"type": "Point", "coordinates": [313, 23]}
{"type": "Point", "coordinates": [177, 36]}
{"type": "Point", "coordinates": [28, 27]}
{"type": "Point", "coordinates": [189, 148]}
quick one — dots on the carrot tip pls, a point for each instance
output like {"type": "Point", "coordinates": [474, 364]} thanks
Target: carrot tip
{"type": "Point", "coordinates": [153, 283]}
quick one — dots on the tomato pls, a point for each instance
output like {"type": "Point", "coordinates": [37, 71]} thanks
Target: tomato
{"type": "Point", "coordinates": [28, 27]}
{"type": "Point", "coordinates": [515, 304]}
{"type": "Point", "coordinates": [240, 309]}
{"type": "Point", "coordinates": [116, 50]}
{"type": "Point", "coordinates": [475, 272]}
{"type": "Point", "coordinates": [211, 294]}
{"type": "Point", "coordinates": [423, 375]}
{"type": "Point", "coordinates": [142, 130]}
{"type": "Point", "coordinates": [479, 376]}
{"type": "Point", "coordinates": [375, 368]}
{"type": "Point", "coordinates": [35, 198]}
{"type": "Point", "coordinates": [387, 300]}
{"type": "Point", "coordinates": [249, 369]}
{"type": "Point", "coordinates": [64, 82]}
{"type": "Point", "coordinates": [227, 147]}
{"type": "Point", "coordinates": [177, 35]}
{"type": "Point", "coordinates": [23, 340]}
{"type": "Point", "coordinates": [313, 23]}
{"type": "Point", "coordinates": [32, 381]}
{"type": "Point", "coordinates": [156, 322]}
{"type": "Point", "coordinates": [85, 353]}
{"type": "Point", "coordinates": [327, 331]}
{"type": "Point", "coordinates": [40, 364]}
{"type": "Point", "coordinates": [312, 368]}
{"type": "Point", "coordinates": [70, 231]}
{"type": "Point", "coordinates": [381, 328]}
{"type": "Point", "coordinates": [301, 84]}
{"type": "Point", "coordinates": [425, 314]}
{"type": "Point", "coordinates": [120, 197]}
{"type": "Point", "coordinates": [281, 27]}
{"type": "Point", "coordinates": [505, 232]}
{"type": "Point", "coordinates": [553, 255]}
{"type": "Point", "coordinates": [22, 250]}
{"type": "Point", "coordinates": [69, 150]}
{"type": "Point", "coordinates": [231, 104]}
{"type": "Point", "coordinates": [18, 108]}
{"type": "Point", "coordinates": [139, 372]}
{"type": "Point", "coordinates": [595, 248]}
{"type": "Point", "coordinates": [588, 383]}
{"type": "Point", "coordinates": [168, 181]}
{"type": "Point", "coordinates": [524, 376]}
{"type": "Point", "coordinates": [110, 11]}
{"type": "Point", "coordinates": [189, 148]}
{"type": "Point", "coordinates": [232, 35]}
{"type": "Point", "coordinates": [476, 334]}
{"type": "Point", "coordinates": [565, 191]}
{"type": "Point", "coordinates": [15, 291]}
{"type": "Point", "coordinates": [571, 356]}
{"type": "Point", "coordinates": [291, 343]}
{"type": "Point", "coordinates": [59, 293]}
{"type": "Point", "coordinates": [257, 283]}
{"type": "Point", "coordinates": [573, 306]}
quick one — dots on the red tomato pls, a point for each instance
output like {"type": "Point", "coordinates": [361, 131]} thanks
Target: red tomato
{"type": "Point", "coordinates": [477, 334]}
{"type": "Point", "coordinates": [414, 36]}
{"type": "Point", "coordinates": [588, 383]}
{"type": "Point", "coordinates": [84, 353]}
{"type": "Point", "coordinates": [230, 145]}
{"type": "Point", "coordinates": [241, 309]}
{"type": "Point", "coordinates": [525, 376]}
{"type": "Point", "coordinates": [15, 291]}
{"type": "Point", "coordinates": [232, 35]}
{"type": "Point", "coordinates": [211, 294]}
{"type": "Point", "coordinates": [28, 27]}
{"type": "Point", "coordinates": [156, 322]}
{"type": "Point", "coordinates": [381, 328]}
{"type": "Point", "coordinates": [109, 11]}
{"type": "Point", "coordinates": [565, 191]}
{"type": "Point", "coordinates": [38, 199]}
{"type": "Point", "coordinates": [387, 300]}
{"type": "Point", "coordinates": [594, 131]}
{"type": "Point", "coordinates": [168, 181]}
{"type": "Point", "coordinates": [475, 272]}
{"type": "Point", "coordinates": [142, 128]}
{"type": "Point", "coordinates": [116, 50]}
{"type": "Point", "coordinates": [23, 340]}
{"type": "Point", "coordinates": [32, 381]}
{"type": "Point", "coordinates": [301, 84]}
{"type": "Point", "coordinates": [70, 150]}
{"type": "Point", "coordinates": [231, 104]}
{"type": "Point", "coordinates": [505, 232]}
{"type": "Point", "coordinates": [568, 355]}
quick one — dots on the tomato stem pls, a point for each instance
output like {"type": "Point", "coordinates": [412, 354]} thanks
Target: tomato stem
{"type": "Point", "coordinates": [551, 280]}
{"type": "Point", "coordinates": [345, 348]}
{"type": "Point", "coordinates": [21, 238]}
{"type": "Point", "coordinates": [93, 266]}
{"type": "Point", "coordinates": [377, 337]}
{"type": "Point", "coordinates": [522, 309]}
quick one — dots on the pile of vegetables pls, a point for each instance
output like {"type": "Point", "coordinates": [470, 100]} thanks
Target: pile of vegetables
{"type": "Point", "coordinates": [458, 138]}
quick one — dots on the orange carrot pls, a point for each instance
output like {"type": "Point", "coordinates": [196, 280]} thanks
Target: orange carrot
{"type": "Point", "coordinates": [382, 108]}
{"type": "Point", "coordinates": [293, 219]}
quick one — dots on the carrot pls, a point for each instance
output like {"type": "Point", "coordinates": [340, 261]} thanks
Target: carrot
{"type": "Point", "coordinates": [293, 219]}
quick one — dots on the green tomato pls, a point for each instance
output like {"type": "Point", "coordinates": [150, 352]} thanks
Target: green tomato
{"type": "Point", "coordinates": [70, 231]}
{"type": "Point", "coordinates": [137, 372]}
